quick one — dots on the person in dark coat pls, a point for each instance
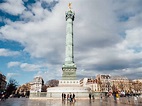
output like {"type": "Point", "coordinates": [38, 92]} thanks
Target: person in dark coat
{"type": "Point", "coordinates": [90, 96]}
{"type": "Point", "coordinates": [62, 96]}
{"type": "Point", "coordinates": [71, 98]}
{"type": "Point", "coordinates": [74, 98]}
{"type": "Point", "coordinates": [93, 98]}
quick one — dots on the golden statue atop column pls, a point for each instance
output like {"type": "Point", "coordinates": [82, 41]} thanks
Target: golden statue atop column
{"type": "Point", "coordinates": [69, 5]}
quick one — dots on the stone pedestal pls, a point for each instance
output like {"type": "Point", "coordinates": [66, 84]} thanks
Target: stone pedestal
{"type": "Point", "coordinates": [69, 73]}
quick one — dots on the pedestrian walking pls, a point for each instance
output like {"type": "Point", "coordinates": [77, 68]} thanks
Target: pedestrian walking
{"type": "Point", "coordinates": [90, 96]}
{"type": "Point", "coordinates": [74, 98]}
{"type": "Point", "coordinates": [117, 96]}
{"type": "Point", "coordinates": [62, 96]}
{"type": "Point", "coordinates": [114, 95]}
{"type": "Point", "coordinates": [101, 98]}
{"type": "Point", "coordinates": [68, 97]}
{"type": "Point", "coordinates": [71, 98]}
{"type": "Point", "coordinates": [135, 100]}
{"type": "Point", "coordinates": [93, 97]}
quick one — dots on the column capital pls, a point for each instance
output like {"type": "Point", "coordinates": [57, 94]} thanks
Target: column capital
{"type": "Point", "coordinates": [70, 14]}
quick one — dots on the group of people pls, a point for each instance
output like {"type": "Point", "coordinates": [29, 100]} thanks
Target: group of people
{"type": "Point", "coordinates": [69, 97]}
{"type": "Point", "coordinates": [3, 97]}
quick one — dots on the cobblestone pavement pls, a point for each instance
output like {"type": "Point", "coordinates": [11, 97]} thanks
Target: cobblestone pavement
{"type": "Point", "coordinates": [58, 102]}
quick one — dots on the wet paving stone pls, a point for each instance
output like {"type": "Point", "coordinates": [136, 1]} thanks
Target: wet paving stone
{"type": "Point", "coordinates": [58, 102]}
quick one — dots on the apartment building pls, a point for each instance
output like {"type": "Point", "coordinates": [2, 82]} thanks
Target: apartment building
{"type": "Point", "coordinates": [104, 82]}
{"type": "Point", "coordinates": [36, 84]}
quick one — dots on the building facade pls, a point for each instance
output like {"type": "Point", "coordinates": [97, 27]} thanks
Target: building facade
{"type": "Point", "coordinates": [107, 83]}
{"type": "Point", "coordinates": [23, 89]}
{"type": "Point", "coordinates": [121, 83]}
{"type": "Point", "coordinates": [137, 86]}
{"type": "Point", "coordinates": [37, 84]}
{"type": "Point", "coordinates": [91, 83]}
{"type": "Point", "coordinates": [104, 82]}
{"type": "Point", "coordinates": [2, 82]}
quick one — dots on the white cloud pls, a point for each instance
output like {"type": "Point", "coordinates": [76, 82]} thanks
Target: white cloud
{"type": "Point", "coordinates": [131, 72]}
{"type": "Point", "coordinates": [37, 13]}
{"type": "Point", "coordinates": [10, 75]}
{"type": "Point", "coordinates": [49, 0]}
{"type": "Point", "coordinates": [48, 75]}
{"type": "Point", "coordinates": [133, 37]}
{"type": "Point", "coordinates": [99, 46]}
{"type": "Point", "coordinates": [13, 7]}
{"type": "Point", "coordinates": [13, 64]}
{"type": "Point", "coordinates": [29, 67]}
{"type": "Point", "coordinates": [50, 71]}
{"type": "Point", "coordinates": [6, 52]}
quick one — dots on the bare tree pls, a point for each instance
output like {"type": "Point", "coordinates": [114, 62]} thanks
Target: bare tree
{"type": "Point", "coordinates": [11, 87]}
{"type": "Point", "coordinates": [52, 83]}
{"type": "Point", "coordinates": [44, 88]}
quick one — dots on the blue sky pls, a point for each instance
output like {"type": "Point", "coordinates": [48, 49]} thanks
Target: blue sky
{"type": "Point", "coordinates": [107, 38]}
